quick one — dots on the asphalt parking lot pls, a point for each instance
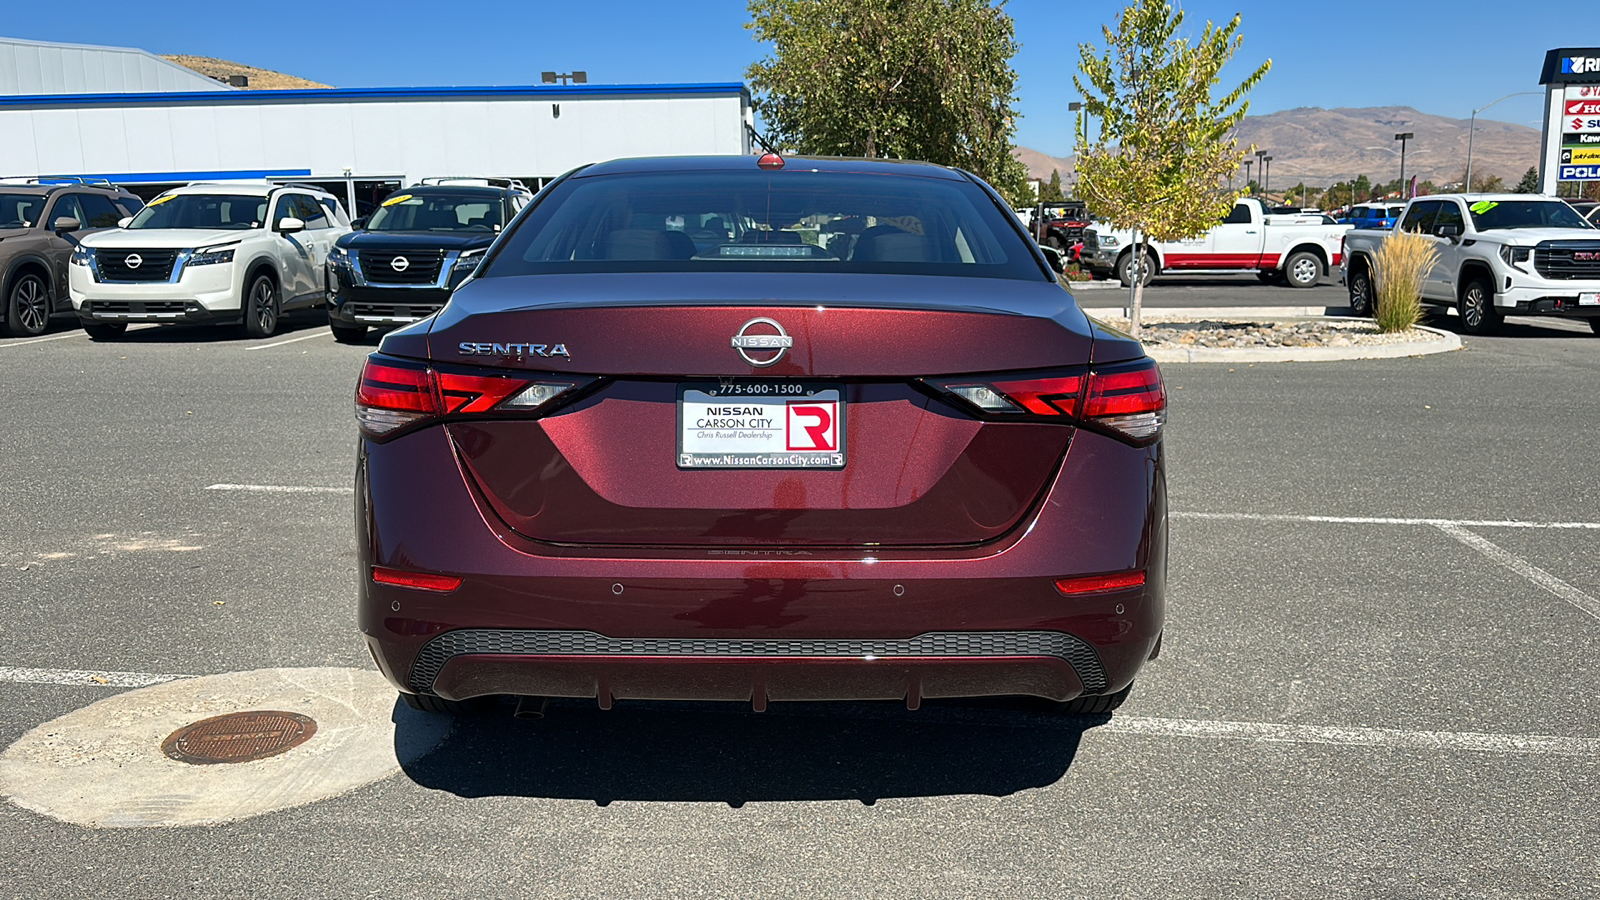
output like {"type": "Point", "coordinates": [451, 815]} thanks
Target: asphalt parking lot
{"type": "Point", "coordinates": [1378, 678]}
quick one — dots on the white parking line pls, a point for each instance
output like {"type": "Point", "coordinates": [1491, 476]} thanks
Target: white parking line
{"type": "Point", "coordinates": [1381, 520]}
{"type": "Point", "coordinates": [83, 677]}
{"type": "Point", "coordinates": [303, 337]}
{"type": "Point", "coordinates": [57, 337]}
{"type": "Point", "coordinates": [278, 488]}
{"type": "Point", "coordinates": [1526, 569]}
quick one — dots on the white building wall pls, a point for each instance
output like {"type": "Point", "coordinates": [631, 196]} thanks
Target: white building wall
{"type": "Point", "coordinates": [319, 134]}
{"type": "Point", "coordinates": [37, 67]}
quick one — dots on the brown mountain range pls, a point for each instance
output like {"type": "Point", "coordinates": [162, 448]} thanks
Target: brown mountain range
{"type": "Point", "coordinates": [1323, 146]}
{"type": "Point", "coordinates": [260, 79]}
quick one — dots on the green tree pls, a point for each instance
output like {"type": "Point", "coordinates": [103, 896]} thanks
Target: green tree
{"type": "Point", "coordinates": [1052, 188]}
{"type": "Point", "coordinates": [1166, 149]}
{"type": "Point", "coordinates": [906, 79]}
{"type": "Point", "coordinates": [1530, 181]}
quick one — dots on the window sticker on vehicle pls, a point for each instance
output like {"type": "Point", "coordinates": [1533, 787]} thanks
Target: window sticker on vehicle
{"type": "Point", "coordinates": [160, 200]}
{"type": "Point", "coordinates": [1483, 206]}
{"type": "Point", "coordinates": [400, 199]}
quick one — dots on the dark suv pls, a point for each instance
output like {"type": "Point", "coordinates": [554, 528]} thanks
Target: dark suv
{"type": "Point", "coordinates": [415, 248]}
{"type": "Point", "coordinates": [35, 223]}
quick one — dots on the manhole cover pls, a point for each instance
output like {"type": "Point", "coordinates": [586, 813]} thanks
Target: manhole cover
{"type": "Point", "coordinates": [239, 737]}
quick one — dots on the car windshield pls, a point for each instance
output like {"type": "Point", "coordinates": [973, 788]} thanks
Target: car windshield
{"type": "Point", "coordinates": [1488, 215]}
{"type": "Point", "coordinates": [20, 210]}
{"type": "Point", "coordinates": [238, 211]}
{"type": "Point", "coordinates": [437, 211]}
{"type": "Point", "coordinates": [797, 221]}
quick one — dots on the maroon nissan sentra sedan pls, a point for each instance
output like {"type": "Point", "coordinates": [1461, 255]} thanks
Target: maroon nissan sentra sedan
{"type": "Point", "coordinates": [789, 429]}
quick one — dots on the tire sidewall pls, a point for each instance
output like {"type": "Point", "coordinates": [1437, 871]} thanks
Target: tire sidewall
{"type": "Point", "coordinates": [1485, 321]}
{"type": "Point", "coordinates": [13, 312]}
{"type": "Point", "coordinates": [1293, 263]}
{"type": "Point", "coordinates": [252, 324]}
{"type": "Point", "coordinates": [1125, 269]}
{"type": "Point", "coordinates": [1361, 303]}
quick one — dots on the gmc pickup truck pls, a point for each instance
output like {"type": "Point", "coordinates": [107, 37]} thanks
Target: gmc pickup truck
{"type": "Point", "coordinates": [1499, 255]}
{"type": "Point", "coordinates": [1296, 249]}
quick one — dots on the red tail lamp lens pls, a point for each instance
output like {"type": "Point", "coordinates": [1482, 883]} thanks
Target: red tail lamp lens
{"type": "Point", "coordinates": [475, 393]}
{"type": "Point", "coordinates": [394, 394]}
{"type": "Point", "coordinates": [1126, 399]}
{"type": "Point", "coordinates": [1098, 584]}
{"type": "Point", "coordinates": [1058, 396]}
{"type": "Point", "coordinates": [396, 387]}
{"type": "Point", "coordinates": [422, 581]}
{"type": "Point", "coordinates": [1126, 392]}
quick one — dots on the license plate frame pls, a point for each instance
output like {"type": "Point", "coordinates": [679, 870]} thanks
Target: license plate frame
{"type": "Point", "coordinates": [1589, 298]}
{"type": "Point", "coordinates": [761, 423]}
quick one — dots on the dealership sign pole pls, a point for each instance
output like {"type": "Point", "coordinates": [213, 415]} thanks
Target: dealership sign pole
{"type": "Point", "coordinates": [1571, 145]}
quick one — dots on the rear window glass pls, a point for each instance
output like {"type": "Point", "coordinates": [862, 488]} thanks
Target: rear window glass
{"type": "Point", "coordinates": [203, 211]}
{"type": "Point", "coordinates": [792, 221]}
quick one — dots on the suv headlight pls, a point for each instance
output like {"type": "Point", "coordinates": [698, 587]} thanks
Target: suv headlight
{"type": "Point", "coordinates": [466, 264]}
{"type": "Point", "coordinates": [211, 257]}
{"type": "Point", "coordinates": [339, 256]}
{"type": "Point", "coordinates": [82, 256]}
{"type": "Point", "coordinates": [1516, 256]}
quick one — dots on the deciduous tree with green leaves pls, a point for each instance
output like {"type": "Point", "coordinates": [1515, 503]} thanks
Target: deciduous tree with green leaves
{"type": "Point", "coordinates": [905, 79]}
{"type": "Point", "coordinates": [1161, 162]}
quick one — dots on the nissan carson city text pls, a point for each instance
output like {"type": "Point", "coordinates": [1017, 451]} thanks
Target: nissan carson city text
{"type": "Point", "coordinates": [818, 429]}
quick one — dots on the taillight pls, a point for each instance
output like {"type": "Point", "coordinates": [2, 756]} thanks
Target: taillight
{"type": "Point", "coordinates": [394, 394]}
{"type": "Point", "coordinates": [422, 581]}
{"type": "Point", "coordinates": [1096, 584]}
{"type": "Point", "coordinates": [1126, 400]}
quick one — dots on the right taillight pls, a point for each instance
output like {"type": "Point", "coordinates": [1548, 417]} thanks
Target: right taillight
{"type": "Point", "coordinates": [394, 394]}
{"type": "Point", "coordinates": [1127, 400]}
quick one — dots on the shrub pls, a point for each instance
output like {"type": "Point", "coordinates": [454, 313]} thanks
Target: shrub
{"type": "Point", "coordinates": [1399, 269]}
{"type": "Point", "coordinates": [1074, 272]}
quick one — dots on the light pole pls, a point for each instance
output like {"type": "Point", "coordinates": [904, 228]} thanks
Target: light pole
{"type": "Point", "coordinates": [1402, 137]}
{"type": "Point", "coordinates": [1266, 177]}
{"type": "Point", "coordinates": [1471, 129]}
{"type": "Point", "coordinates": [1247, 165]}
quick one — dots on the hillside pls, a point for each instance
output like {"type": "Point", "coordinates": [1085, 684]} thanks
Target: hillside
{"type": "Point", "coordinates": [1322, 146]}
{"type": "Point", "coordinates": [260, 79]}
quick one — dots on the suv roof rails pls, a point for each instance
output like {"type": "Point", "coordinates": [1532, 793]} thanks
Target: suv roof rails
{"type": "Point", "coordinates": [57, 179]}
{"type": "Point", "coordinates": [305, 187]}
{"type": "Point", "coordinates": [483, 180]}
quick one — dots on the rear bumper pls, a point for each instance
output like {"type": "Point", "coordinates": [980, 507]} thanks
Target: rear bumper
{"type": "Point", "coordinates": [757, 624]}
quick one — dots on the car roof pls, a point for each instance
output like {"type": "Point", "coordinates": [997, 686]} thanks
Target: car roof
{"type": "Point", "coordinates": [47, 189]}
{"type": "Point", "coordinates": [487, 190]}
{"type": "Point", "coordinates": [731, 163]}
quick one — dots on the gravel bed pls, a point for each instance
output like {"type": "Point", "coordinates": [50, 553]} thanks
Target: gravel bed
{"type": "Point", "coordinates": [1312, 333]}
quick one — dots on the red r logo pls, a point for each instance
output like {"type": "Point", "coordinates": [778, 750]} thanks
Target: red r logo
{"type": "Point", "coordinates": [812, 426]}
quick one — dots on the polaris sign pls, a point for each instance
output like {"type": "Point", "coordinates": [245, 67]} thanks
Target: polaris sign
{"type": "Point", "coordinates": [1580, 173]}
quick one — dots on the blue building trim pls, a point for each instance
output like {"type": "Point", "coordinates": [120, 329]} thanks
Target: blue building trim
{"type": "Point", "coordinates": [173, 177]}
{"type": "Point", "coordinates": [358, 95]}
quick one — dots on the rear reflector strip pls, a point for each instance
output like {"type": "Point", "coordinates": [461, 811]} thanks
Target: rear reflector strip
{"type": "Point", "coordinates": [1095, 584]}
{"type": "Point", "coordinates": [421, 581]}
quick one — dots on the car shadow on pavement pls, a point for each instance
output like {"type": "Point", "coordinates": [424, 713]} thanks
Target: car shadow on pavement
{"type": "Point", "coordinates": [725, 753]}
{"type": "Point", "coordinates": [292, 325]}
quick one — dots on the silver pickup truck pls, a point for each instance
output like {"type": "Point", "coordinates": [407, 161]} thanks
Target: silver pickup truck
{"type": "Point", "coordinates": [1499, 255]}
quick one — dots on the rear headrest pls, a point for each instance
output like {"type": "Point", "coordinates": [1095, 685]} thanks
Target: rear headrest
{"type": "Point", "coordinates": [639, 243]}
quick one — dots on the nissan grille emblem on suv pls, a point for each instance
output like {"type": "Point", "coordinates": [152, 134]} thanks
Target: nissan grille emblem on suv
{"type": "Point", "coordinates": [745, 341]}
{"type": "Point", "coordinates": [400, 264]}
{"type": "Point", "coordinates": [133, 261]}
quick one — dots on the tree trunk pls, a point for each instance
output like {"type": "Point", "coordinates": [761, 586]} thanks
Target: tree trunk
{"type": "Point", "coordinates": [1140, 260]}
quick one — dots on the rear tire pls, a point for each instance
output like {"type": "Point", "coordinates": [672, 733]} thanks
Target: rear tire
{"type": "Point", "coordinates": [1360, 292]}
{"type": "Point", "coordinates": [1303, 269]}
{"type": "Point", "coordinates": [428, 703]}
{"type": "Point", "coordinates": [1476, 306]}
{"type": "Point", "coordinates": [105, 331]}
{"type": "Point", "coordinates": [1094, 704]}
{"type": "Point", "coordinates": [27, 307]}
{"type": "Point", "coordinates": [348, 334]}
{"type": "Point", "coordinates": [261, 307]}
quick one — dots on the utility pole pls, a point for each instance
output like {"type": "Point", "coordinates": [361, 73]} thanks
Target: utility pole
{"type": "Point", "coordinates": [1472, 129]}
{"type": "Point", "coordinates": [1247, 165]}
{"type": "Point", "coordinates": [1402, 137]}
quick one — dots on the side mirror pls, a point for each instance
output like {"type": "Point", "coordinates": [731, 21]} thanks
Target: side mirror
{"type": "Point", "coordinates": [123, 222]}
{"type": "Point", "coordinates": [1053, 257]}
{"type": "Point", "coordinates": [359, 224]}
{"type": "Point", "coordinates": [290, 225]}
{"type": "Point", "coordinates": [65, 224]}
{"type": "Point", "coordinates": [1448, 231]}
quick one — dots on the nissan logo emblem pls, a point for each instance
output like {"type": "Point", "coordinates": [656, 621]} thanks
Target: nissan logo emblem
{"type": "Point", "coordinates": [745, 341]}
{"type": "Point", "coordinates": [399, 264]}
{"type": "Point", "coordinates": [133, 261]}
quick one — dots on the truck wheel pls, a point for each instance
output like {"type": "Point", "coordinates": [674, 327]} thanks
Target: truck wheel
{"type": "Point", "coordinates": [1125, 269]}
{"type": "Point", "coordinates": [1476, 307]}
{"type": "Point", "coordinates": [261, 307]}
{"type": "Point", "coordinates": [27, 307]}
{"type": "Point", "coordinates": [1360, 291]}
{"type": "Point", "coordinates": [1303, 269]}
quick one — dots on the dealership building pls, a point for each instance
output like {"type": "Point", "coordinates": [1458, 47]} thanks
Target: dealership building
{"type": "Point", "coordinates": [140, 121]}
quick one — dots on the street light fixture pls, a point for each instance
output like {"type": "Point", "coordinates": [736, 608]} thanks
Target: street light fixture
{"type": "Point", "coordinates": [1471, 129]}
{"type": "Point", "coordinates": [1266, 176]}
{"type": "Point", "coordinates": [1402, 137]}
{"type": "Point", "coordinates": [1247, 165]}
{"type": "Point", "coordinates": [564, 77]}
{"type": "Point", "coordinates": [1082, 122]}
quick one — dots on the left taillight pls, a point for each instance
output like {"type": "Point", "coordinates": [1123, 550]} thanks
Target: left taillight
{"type": "Point", "coordinates": [395, 394]}
{"type": "Point", "coordinates": [1127, 400]}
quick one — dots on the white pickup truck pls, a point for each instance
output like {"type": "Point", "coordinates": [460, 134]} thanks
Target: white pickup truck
{"type": "Point", "coordinates": [1296, 249]}
{"type": "Point", "coordinates": [1499, 255]}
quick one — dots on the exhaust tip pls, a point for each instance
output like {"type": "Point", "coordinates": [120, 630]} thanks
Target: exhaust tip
{"type": "Point", "coordinates": [529, 708]}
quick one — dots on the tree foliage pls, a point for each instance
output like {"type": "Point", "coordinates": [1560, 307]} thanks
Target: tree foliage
{"type": "Point", "coordinates": [904, 79]}
{"type": "Point", "coordinates": [1530, 181]}
{"type": "Point", "coordinates": [1166, 149]}
{"type": "Point", "coordinates": [1052, 188]}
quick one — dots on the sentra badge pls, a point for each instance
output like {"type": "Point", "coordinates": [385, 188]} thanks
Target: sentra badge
{"type": "Point", "coordinates": [547, 351]}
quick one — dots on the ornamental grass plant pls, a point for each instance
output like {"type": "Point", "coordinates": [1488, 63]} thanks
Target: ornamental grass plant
{"type": "Point", "coordinates": [1399, 269]}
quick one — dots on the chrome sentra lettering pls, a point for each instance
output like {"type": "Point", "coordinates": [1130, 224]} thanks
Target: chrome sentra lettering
{"type": "Point", "coordinates": [547, 351]}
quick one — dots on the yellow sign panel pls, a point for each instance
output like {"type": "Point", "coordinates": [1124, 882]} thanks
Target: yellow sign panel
{"type": "Point", "coordinates": [1581, 156]}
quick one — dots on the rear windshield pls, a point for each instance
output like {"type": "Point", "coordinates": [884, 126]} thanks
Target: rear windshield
{"type": "Point", "coordinates": [1491, 214]}
{"type": "Point", "coordinates": [20, 210]}
{"type": "Point", "coordinates": [203, 211]}
{"type": "Point", "coordinates": [435, 211]}
{"type": "Point", "coordinates": [792, 221]}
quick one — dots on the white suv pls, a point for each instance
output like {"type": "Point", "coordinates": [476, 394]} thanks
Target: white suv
{"type": "Point", "coordinates": [219, 253]}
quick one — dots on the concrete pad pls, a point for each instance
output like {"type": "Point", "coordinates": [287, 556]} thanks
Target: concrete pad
{"type": "Point", "coordinates": [102, 766]}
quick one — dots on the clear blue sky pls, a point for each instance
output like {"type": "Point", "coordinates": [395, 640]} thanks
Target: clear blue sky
{"type": "Point", "coordinates": [1332, 53]}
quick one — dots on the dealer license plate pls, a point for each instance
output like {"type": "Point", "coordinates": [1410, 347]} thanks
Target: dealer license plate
{"type": "Point", "coordinates": [760, 425]}
{"type": "Point", "coordinates": [1592, 298]}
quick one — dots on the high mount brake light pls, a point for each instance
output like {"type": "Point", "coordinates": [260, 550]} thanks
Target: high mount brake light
{"type": "Point", "coordinates": [1127, 400]}
{"type": "Point", "coordinates": [394, 394]}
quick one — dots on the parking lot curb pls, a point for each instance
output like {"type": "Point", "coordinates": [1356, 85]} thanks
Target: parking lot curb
{"type": "Point", "coordinates": [1442, 342]}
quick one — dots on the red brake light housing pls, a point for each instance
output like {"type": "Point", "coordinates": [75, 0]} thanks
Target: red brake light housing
{"type": "Point", "coordinates": [422, 581]}
{"type": "Point", "coordinates": [398, 395]}
{"type": "Point", "coordinates": [1127, 400]}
